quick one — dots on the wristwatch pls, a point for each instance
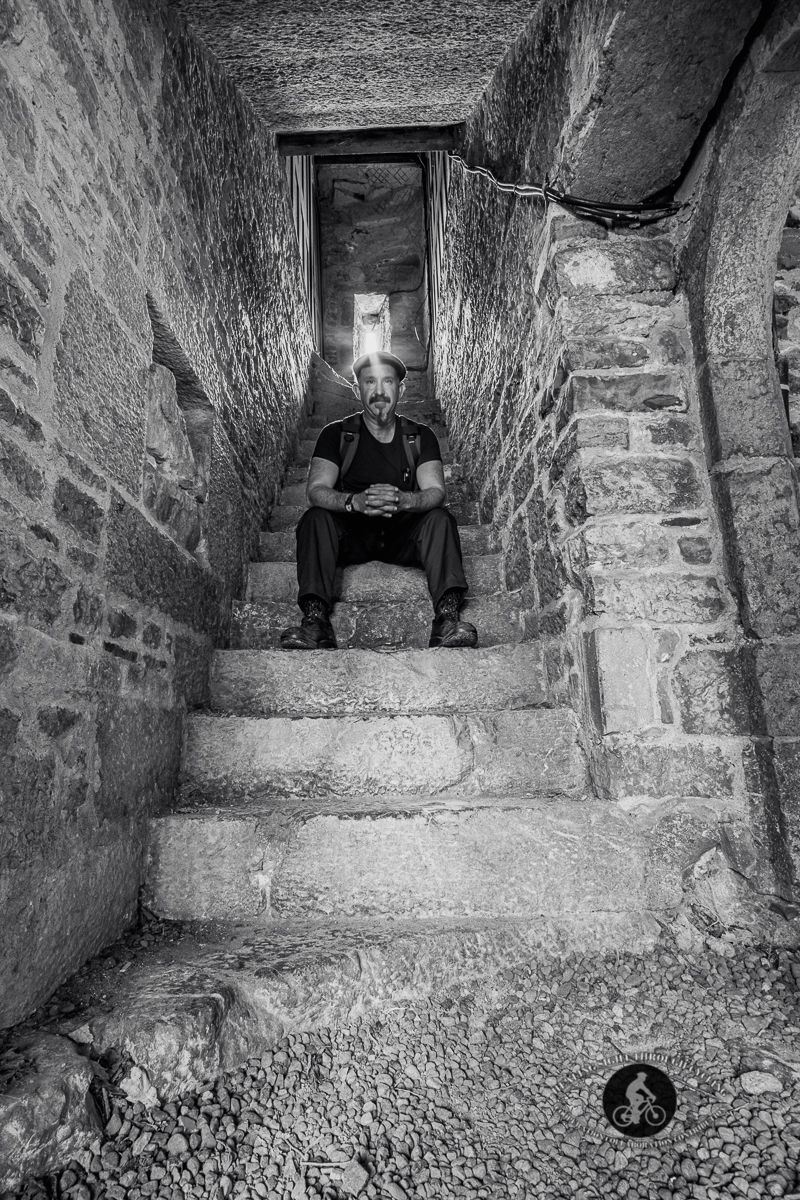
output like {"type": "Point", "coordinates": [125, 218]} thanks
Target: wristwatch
{"type": "Point", "coordinates": [348, 504]}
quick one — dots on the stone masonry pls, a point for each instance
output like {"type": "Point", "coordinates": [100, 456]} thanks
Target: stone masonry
{"type": "Point", "coordinates": [135, 182]}
{"type": "Point", "coordinates": [581, 429]}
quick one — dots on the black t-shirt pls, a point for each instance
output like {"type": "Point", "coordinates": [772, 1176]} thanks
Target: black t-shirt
{"type": "Point", "coordinates": [374, 461]}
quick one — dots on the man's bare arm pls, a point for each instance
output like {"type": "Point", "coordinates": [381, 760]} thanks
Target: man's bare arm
{"type": "Point", "coordinates": [321, 487]}
{"type": "Point", "coordinates": [432, 492]}
{"type": "Point", "coordinates": [380, 500]}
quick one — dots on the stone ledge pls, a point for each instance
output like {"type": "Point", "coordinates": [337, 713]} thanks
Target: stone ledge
{"type": "Point", "coordinates": [500, 619]}
{"type": "Point", "coordinates": [270, 683]}
{"type": "Point", "coordinates": [230, 759]}
{"type": "Point", "coordinates": [371, 582]}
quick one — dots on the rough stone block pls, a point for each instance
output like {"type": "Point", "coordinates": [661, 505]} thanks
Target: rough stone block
{"type": "Point", "coordinates": [145, 565]}
{"type": "Point", "coordinates": [633, 544]}
{"type": "Point", "coordinates": [612, 332]}
{"type": "Point", "coordinates": [749, 411]}
{"type": "Point", "coordinates": [20, 316]}
{"type": "Point", "coordinates": [518, 752]}
{"type": "Point", "coordinates": [167, 440]}
{"type": "Point", "coordinates": [172, 507]}
{"type": "Point", "coordinates": [664, 432]}
{"type": "Point", "coordinates": [192, 664]}
{"type": "Point", "coordinates": [621, 674]}
{"type": "Point", "coordinates": [30, 584]}
{"type": "Point", "coordinates": [760, 512]}
{"type": "Point", "coordinates": [715, 690]}
{"type": "Point", "coordinates": [636, 484]}
{"type": "Point", "coordinates": [121, 624]}
{"type": "Point", "coordinates": [672, 599]}
{"type": "Point", "coordinates": [270, 683]}
{"type": "Point", "coordinates": [777, 669]}
{"type": "Point", "coordinates": [17, 123]}
{"type": "Point", "coordinates": [15, 415]}
{"type": "Point", "coordinates": [627, 769]}
{"type": "Point", "coordinates": [789, 251]}
{"type": "Point", "coordinates": [87, 609]}
{"type": "Point", "coordinates": [621, 266]}
{"type": "Point", "coordinates": [695, 550]}
{"type": "Point", "coordinates": [438, 860]}
{"type": "Point", "coordinates": [78, 510]}
{"type": "Point", "coordinates": [787, 766]}
{"type": "Point", "coordinates": [101, 384]}
{"type": "Point", "coordinates": [629, 391]}
{"type": "Point", "coordinates": [38, 237]}
{"type": "Point", "coordinates": [20, 470]}
{"type": "Point", "coordinates": [50, 1093]}
{"type": "Point", "coordinates": [22, 262]}
{"type": "Point", "coordinates": [586, 433]}
{"type": "Point", "coordinates": [139, 746]}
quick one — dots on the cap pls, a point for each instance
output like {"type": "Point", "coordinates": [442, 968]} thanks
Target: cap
{"type": "Point", "coordinates": [382, 356]}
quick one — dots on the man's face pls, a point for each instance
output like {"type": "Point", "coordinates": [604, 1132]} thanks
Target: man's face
{"type": "Point", "coordinates": [380, 390]}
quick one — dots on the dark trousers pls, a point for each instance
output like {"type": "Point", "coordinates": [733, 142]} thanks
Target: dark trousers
{"type": "Point", "coordinates": [327, 540]}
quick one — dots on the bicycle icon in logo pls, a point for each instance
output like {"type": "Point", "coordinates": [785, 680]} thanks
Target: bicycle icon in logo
{"type": "Point", "coordinates": [639, 1100]}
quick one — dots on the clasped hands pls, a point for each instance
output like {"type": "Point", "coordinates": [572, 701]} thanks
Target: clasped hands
{"type": "Point", "coordinates": [380, 500]}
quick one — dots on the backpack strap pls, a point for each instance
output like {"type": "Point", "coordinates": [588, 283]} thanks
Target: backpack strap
{"type": "Point", "coordinates": [412, 444]}
{"type": "Point", "coordinates": [348, 444]}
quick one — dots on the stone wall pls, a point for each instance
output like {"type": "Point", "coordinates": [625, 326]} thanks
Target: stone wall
{"type": "Point", "coordinates": [786, 318]}
{"type": "Point", "coordinates": [566, 370]}
{"type": "Point", "coordinates": [137, 192]}
{"type": "Point", "coordinates": [732, 236]}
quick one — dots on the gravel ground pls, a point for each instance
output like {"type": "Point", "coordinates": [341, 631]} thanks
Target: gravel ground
{"type": "Point", "coordinates": [492, 1092]}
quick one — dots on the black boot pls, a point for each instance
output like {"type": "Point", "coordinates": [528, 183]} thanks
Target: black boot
{"type": "Point", "coordinates": [314, 632]}
{"type": "Point", "coordinates": [447, 629]}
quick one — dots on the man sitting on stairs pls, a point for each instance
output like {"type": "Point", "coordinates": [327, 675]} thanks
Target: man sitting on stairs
{"type": "Point", "coordinates": [376, 486]}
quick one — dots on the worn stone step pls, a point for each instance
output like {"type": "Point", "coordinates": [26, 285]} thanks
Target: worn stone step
{"type": "Point", "coordinates": [282, 546]}
{"type": "Point", "coordinates": [286, 516]}
{"type": "Point", "coordinates": [371, 582]}
{"type": "Point", "coordinates": [230, 759]}
{"type": "Point", "coordinates": [208, 996]}
{"type": "Point", "coordinates": [499, 618]}
{"type": "Point", "coordinates": [581, 859]}
{"type": "Point", "coordinates": [274, 683]}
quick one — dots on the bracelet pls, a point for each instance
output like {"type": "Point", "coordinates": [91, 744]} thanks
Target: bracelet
{"type": "Point", "coordinates": [348, 504]}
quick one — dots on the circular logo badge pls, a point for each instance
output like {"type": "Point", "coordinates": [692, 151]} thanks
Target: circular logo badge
{"type": "Point", "coordinates": [639, 1100]}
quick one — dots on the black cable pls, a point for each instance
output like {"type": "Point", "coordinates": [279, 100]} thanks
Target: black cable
{"type": "Point", "coordinates": [615, 214]}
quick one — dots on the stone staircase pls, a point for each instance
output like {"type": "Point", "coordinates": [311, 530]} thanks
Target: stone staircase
{"type": "Point", "coordinates": [372, 822]}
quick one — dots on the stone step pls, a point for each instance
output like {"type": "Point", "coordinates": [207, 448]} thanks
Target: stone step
{"type": "Point", "coordinates": [232, 759]}
{"type": "Point", "coordinates": [576, 859]}
{"type": "Point", "coordinates": [499, 618]}
{"type": "Point", "coordinates": [282, 546]}
{"type": "Point", "coordinates": [371, 582]}
{"type": "Point", "coordinates": [205, 997]}
{"type": "Point", "coordinates": [273, 683]}
{"type": "Point", "coordinates": [286, 516]}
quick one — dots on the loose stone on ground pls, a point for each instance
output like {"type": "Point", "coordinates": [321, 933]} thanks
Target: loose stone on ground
{"type": "Point", "coordinates": [491, 1092]}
